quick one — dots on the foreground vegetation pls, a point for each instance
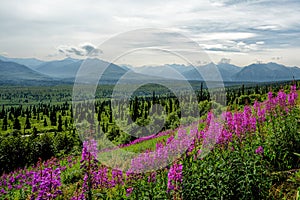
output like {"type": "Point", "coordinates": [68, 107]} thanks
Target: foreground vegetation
{"type": "Point", "coordinates": [254, 155]}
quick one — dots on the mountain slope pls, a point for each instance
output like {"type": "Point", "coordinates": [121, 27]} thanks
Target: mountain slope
{"type": "Point", "coordinates": [110, 73]}
{"type": "Point", "coordinates": [60, 68]}
{"type": "Point", "coordinates": [172, 71]}
{"type": "Point", "coordinates": [190, 72]}
{"type": "Point", "coordinates": [68, 68]}
{"type": "Point", "coordinates": [14, 73]}
{"type": "Point", "coordinates": [228, 70]}
{"type": "Point", "coordinates": [212, 72]}
{"type": "Point", "coordinates": [29, 62]}
{"type": "Point", "coordinates": [267, 72]}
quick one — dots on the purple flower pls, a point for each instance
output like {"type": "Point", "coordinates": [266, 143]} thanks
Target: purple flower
{"type": "Point", "coordinates": [129, 191]}
{"type": "Point", "coordinates": [117, 177]}
{"type": "Point", "coordinates": [174, 177]}
{"type": "Point", "coordinates": [90, 149]}
{"type": "Point", "coordinates": [152, 177]}
{"type": "Point", "coordinates": [46, 184]}
{"type": "Point", "coordinates": [2, 191]}
{"type": "Point", "coordinates": [259, 150]}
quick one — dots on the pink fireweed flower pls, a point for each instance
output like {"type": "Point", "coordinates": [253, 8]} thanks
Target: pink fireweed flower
{"type": "Point", "coordinates": [225, 136]}
{"type": "Point", "coordinates": [163, 155]}
{"type": "Point", "coordinates": [152, 177]}
{"type": "Point", "coordinates": [270, 103]}
{"type": "Point", "coordinates": [281, 98]}
{"type": "Point", "coordinates": [101, 178]}
{"type": "Point", "coordinates": [259, 150]}
{"type": "Point", "coordinates": [210, 115]}
{"type": "Point", "coordinates": [256, 105]}
{"type": "Point", "coordinates": [252, 124]}
{"type": "Point", "coordinates": [169, 140]}
{"type": "Point", "coordinates": [292, 96]}
{"type": "Point", "coordinates": [238, 120]}
{"type": "Point", "coordinates": [261, 114]}
{"type": "Point", "coordinates": [117, 177]}
{"type": "Point", "coordinates": [46, 183]}
{"type": "Point", "coordinates": [174, 177]}
{"type": "Point", "coordinates": [129, 191]}
{"type": "Point", "coordinates": [159, 145]}
{"type": "Point", "coordinates": [90, 148]}
{"type": "Point", "coordinates": [213, 135]}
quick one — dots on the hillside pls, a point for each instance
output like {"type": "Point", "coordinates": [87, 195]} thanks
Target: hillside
{"type": "Point", "coordinates": [32, 63]}
{"type": "Point", "coordinates": [267, 72]}
{"type": "Point", "coordinates": [14, 73]}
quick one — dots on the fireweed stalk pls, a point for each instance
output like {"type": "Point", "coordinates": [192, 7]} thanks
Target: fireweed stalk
{"type": "Point", "coordinates": [89, 163]}
{"type": "Point", "coordinates": [175, 179]}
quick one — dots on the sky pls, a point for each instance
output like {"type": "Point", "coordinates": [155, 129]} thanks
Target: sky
{"type": "Point", "coordinates": [237, 31]}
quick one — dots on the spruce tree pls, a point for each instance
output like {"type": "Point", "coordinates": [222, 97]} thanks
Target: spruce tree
{"type": "Point", "coordinates": [27, 123]}
{"type": "Point", "coordinates": [17, 124]}
{"type": "Point", "coordinates": [59, 127]}
{"type": "Point", "coordinates": [5, 123]}
{"type": "Point", "coordinates": [45, 122]}
{"type": "Point", "coordinates": [2, 114]}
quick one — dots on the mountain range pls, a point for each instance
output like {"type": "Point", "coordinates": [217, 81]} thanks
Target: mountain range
{"type": "Point", "coordinates": [14, 73]}
{"type": "Point", "coordinates": [31, 70]}
{"type": "Point", "coordinates": [267, 72]}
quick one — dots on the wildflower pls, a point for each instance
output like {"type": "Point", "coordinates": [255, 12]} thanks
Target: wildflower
{"type": "Point", "coordinates": [174, 177]}
{"type": "Point", "coordinates": [117, 177]}
{"type": "Point", "coordinates": [152, 177]}
{"type": "Point", "coordinates": [89, 149]}
{"type": "Point", "coordinates": [46, 184]}
{"type": "Point", "coordinates": [129, 191]}
{"type": "Point", "coordinates": [259, 150]}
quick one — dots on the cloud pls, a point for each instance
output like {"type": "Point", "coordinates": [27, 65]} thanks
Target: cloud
{"type": "Point", "coordinates": [277, 58]}
{"type": "Point", "coordinates": [75, 51]}
{"type": "Point", "coordinates": [260, 42]}
{"type": "Point", "coordinates": [81, 51]}
{"type": "Point", "coordinates": [88, 48]}
{"type": "Point", "coordinates": [222, 26]}
{"type": "Point", "coordinates": [234, 46]}
{"type": "Point", "coordinates": [4, 54]}
{"type": "Point", "coordinates": [229, 2]}
{"type": "Point", "coordinates": [267, 27]}
{"type": "Point", "coordinates": [91, 50]}
{"type": "Point", "coordinates": [224, 61]}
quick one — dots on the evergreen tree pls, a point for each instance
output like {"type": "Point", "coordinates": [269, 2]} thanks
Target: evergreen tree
{"type": "Point", "coordinates": [53, 118]}
{"type": "Point", "coordinates": [66, 124]}
{"type": "Point", "coordinates": [34, 132]}
{"type": "Point", "coordinates": [17, 124]}
{"type": "Point", "coordinates": [27, 123]}
{"type": "Point", "coordinates": [59, 127]}
{"type": "Point", "coordinates": [2, 114]}
{"type": "Point", "coordinates": [45, 122]}
{"type": "Point", "coordinates": [5, 123]}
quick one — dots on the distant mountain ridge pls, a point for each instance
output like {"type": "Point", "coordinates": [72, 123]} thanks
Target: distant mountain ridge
{"type": "Point", "coordinates": [268, 71]}
{"type": "Point", "coordinates": [263, 72]}
{"type": "Point", "coordinates": [14, 73]}
{"type": "Point", "coordinates": [29, 62]}
{"type": "Point", "coordinates": [66, 70]}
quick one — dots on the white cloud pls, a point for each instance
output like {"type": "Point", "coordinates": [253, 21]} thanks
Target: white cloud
{"type": "Point", "coordinates": [35, 28]}
{"type": "Point", "coordinates": [260, 42]}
